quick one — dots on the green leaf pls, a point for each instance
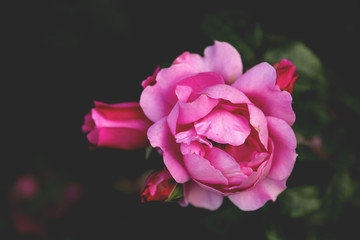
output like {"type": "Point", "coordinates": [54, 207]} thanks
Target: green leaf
{"type": "Point", "coordinates": [341, 187]}
{"type": "Point", "coordinates": [352, 102]}
{"type": "Point", "coordinates": [272, 233]}
{"type": "Point", "coordinates": [176, 194]}
{"type": "Point", "coordinates": [300, 201]}
{"type": "Point", "coordinates": [148, 151]}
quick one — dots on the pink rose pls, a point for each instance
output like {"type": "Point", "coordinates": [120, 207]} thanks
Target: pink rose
{"type": "Point", "coordinates": [285, 75]}
{"type": "Point", "coordinates": [222, 133]}
{"type": "Point", "coordinates": [121, 125]}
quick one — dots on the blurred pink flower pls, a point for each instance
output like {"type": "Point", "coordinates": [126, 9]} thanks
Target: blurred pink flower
{"type": "Point", "coordinates": [28, 225]}
{"type": "Point", "coordinates": [26, 187]}
{"type": "Point", "coordinates": [28, 192]}
{"type": "Point", "coordinates": [73, 193]}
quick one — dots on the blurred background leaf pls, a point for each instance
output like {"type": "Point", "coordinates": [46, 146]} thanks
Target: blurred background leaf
{"type": "Point", "coordinates": [301, 201]}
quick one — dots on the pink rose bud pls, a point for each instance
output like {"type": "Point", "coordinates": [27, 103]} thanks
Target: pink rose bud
{"type": "Point", "coordinates": [26, 187]}
{"type": "Point", "coordinates": [121, 125]}
{"type": "Point", "coordinates": [285, 75]}
{"type": "Point", "coordinates": [160, 186]}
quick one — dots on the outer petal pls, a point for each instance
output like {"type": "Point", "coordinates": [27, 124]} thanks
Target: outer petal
{"type": "Point", "coordinates": [123, 118]}
{"type": "Point", "coordinates": [168, 78]}
{"type": "Point", "coordinates": [257, 196]}
{"type": "Point", "coordinates": [200, 197]}
{"type": "Point", "coordinates": [194, 60]}
{"type": "Point", "coordinates": [153, 103]}
{"type": "Point", "coordinates": [127, 115]}
{"type": "Point", "coordinates": [284, 148]}
{"type": "Point", "coordinates": [123, 138]}
{"type": "Point", "coordinates": [158, 100]}
{"type": "Point", "coordinates": [225, 60]}
{"type": "Point", "coordinates": [160, 136]}
{"type": "Point", "coordinates": [88, 123]}
{"type": "Point", "coordinates": [259, 85]}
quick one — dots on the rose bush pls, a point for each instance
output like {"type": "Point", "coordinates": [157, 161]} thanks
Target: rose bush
{"type": "Point", "coordinates": [222, 132]}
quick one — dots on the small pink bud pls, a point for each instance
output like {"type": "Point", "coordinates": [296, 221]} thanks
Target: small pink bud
{"type": "Point", "coordinates": [159, 186]}
{"type": "Point", "coordinates": [286, 75]}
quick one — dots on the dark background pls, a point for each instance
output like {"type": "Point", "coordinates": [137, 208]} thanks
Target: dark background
{"type": "Point", "coordinates": [62, 55]}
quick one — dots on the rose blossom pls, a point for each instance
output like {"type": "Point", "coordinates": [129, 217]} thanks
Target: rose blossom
{"type": "Point", "coordinates": [222, 133]}
{"type": "Point", "coordinates": [121, 125]}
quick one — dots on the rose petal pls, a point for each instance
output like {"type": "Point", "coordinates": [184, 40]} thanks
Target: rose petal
{"type": "Point", "coordinates": [200, 197]}
{"type": "Point", "coordinates": [88, 123]}
{"type": "Point", "coordinates": [225, 60]}
{"type": "Point", "coordinates": [157, 101]}
{"type": "Point", "coordinates": [257, 196]}
{"type": "Point", "coordinates": [259, 122]}
{"type": "Point", "coordinates": [226, 164]}
{"type": "Point", "coordinates": [193, 148]}
{"type": "Point", "coordinates": [200, 81]}
{"type": "Point", "coordinates": [193, 111]}
{"type": "Point", "coordinates": [201, 170]}
{"type": "Point", "coordinates": [192, 59]}
{"type": "Point", "coordinates": [172, 118]}
{"type": "Point", "coordinates": [183, 93]}
{"type": "Point", "coordinates": [122, 118]}
{"type": "Point", "coordinates": [284, 148]}
{"type": "Point", "coordinates": [224, 127]}
{"type": "Point", "coordinates": [186, 136]}
{"type": "Point", "coordinates": [123, 138]}
{"type": "Point", "coordinates": [93, 136]}
{"type": "Point", "coordinates": [258, 84]}
{"type": "Point", "coordinates": [173, 162]}
{"type": "Point", "coordinates": [160, 136]}
{"type": "Point", "coordinates": [153, 103]}
{"type": "Point", "coordinates": [226, 92]}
